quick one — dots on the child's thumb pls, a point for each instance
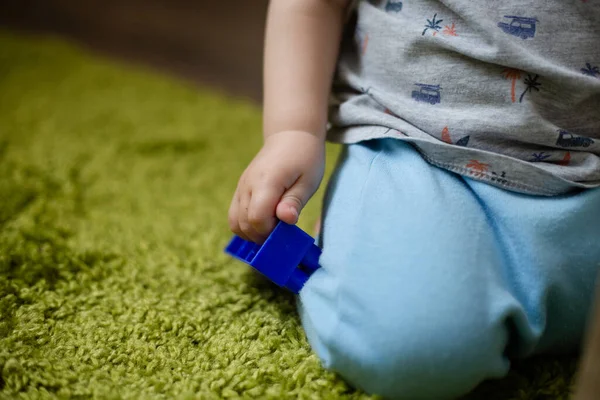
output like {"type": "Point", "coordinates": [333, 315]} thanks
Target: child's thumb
{"type": "Point", "coordinates": [292, 202]}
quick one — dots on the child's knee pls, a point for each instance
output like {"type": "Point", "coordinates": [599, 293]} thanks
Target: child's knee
{"type": "Point", "coordinates": [414, 369]}
{"type": "Point", "coordinates": [410, 354]}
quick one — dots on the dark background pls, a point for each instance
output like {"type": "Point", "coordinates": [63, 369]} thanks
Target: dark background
{"type": "Point", "coordinates": [209, 42]}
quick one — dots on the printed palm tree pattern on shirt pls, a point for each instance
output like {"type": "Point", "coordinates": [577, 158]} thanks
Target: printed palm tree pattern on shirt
{"type": "Point", "coordinates": [591, 70]}
{"type": "Point", "coordinates": [450, 30]}
{"type": "Point", "coordinates": [532, 84]}
{"type": "Point", "coordinates": [539, 157]}
{"type": "Point", "coordinates": [514, 75]}
{"type": "Point", "coordinates": [464, 141]}
{"type": "Point", "coordinates": [477, 168]}
{"type": "Point", "coordinates": [566, 159]}
{"type": "Point", "coordinates": [542, 157]}
{"type": "Point", "coordinates": [433, 24]}
{"type": "Point", "coordinates": [446, 135]}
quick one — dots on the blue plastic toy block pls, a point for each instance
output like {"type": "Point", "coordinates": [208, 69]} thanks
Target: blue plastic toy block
{"type": "Point", "coordinates": [288, 257]}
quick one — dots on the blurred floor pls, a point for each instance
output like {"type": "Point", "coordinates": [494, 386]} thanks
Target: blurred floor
{"type": "Point", "coordinates": [211, 42]}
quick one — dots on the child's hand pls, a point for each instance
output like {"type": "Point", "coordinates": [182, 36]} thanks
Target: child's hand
{"type": "Point", "coordinates": [277, 184]}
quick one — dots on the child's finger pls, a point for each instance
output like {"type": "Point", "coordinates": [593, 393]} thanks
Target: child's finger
{"type": "Point", "coordinates": [233, 215]}
{"type": "Point", "coordinates": [261, 213]}
{"type": "Point", "coordinates": [248, 231]}
{"type": "Point", "coordinates": [293, 201]}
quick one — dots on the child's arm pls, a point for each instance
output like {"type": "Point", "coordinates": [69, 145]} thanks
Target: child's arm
{"type": "Point", "coordinates": [301, 48]}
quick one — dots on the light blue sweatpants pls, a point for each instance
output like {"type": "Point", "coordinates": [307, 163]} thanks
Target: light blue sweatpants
{"type": "Point", "coordinates": [431, 282]}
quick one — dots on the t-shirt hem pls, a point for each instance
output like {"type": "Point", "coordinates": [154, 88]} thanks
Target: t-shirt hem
{"type": "Point", "coordinates": [553, 185]}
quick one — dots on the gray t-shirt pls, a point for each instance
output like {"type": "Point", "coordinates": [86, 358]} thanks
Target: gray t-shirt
{"type": "Point", "coordinates": [507, 92]}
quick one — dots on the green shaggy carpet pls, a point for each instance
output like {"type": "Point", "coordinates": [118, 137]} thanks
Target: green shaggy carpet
{"type": "Point", "coordinates": [114, 188]}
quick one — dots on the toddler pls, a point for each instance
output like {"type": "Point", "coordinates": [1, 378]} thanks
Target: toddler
{"type": "Point", "coordinates": [461, 228]}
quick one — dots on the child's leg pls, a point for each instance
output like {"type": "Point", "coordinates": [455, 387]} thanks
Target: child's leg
{"type": "Point", "coordinates": [551, 248]}
{"type": "Point", "coordinates": [427, 284]}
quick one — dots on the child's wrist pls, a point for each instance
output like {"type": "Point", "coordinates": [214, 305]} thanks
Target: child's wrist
{"type": "Point", "coordinates": [319, 136]}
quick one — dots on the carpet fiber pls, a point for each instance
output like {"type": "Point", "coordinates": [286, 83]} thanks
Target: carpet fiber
{"type": "Point", "coordinates": [114, 189]}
